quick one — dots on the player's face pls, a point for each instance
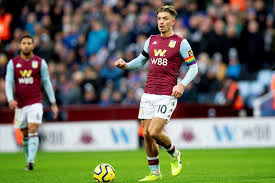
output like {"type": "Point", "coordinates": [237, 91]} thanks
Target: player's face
{"type": "Point", "coordinates": [26, 46]}
{"type": "Point", "coordinates": [165, 22]}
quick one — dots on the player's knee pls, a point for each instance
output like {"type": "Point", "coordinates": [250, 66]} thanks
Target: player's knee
{"type": "Point", "coordinates": [154, 133]}
{"type": "Point", "coordinates": [146, 134]}
{"type": "Point", "coordinates": [33, 129]}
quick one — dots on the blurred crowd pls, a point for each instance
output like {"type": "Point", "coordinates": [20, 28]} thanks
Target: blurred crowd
{"type": "Point", "coordinates": [232, 40]}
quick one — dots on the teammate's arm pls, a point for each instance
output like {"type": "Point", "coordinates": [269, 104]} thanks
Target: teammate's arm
{"type": "Point", "coordinates": [48, 86]}
{"type": "Point", "coordinates": [190, 61]}
{"type": "Point", "coordinates": [137, 62]}
{"type": "Point", "coordinates": [9, 85]}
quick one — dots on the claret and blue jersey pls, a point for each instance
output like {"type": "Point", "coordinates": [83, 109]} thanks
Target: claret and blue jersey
{"type": "Point", "coordinates": [166, 56]}
{"type": "Point", "coordinates": [26, 75]}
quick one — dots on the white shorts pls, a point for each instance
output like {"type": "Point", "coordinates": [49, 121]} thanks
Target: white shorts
{"type": "Point", "coordinates": [28, 114]}
{"type": "Point", "coordinates": [161, 106]}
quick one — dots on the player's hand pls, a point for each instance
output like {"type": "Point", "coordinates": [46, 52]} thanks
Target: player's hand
{"type": "Point", "coordinates": [55, 110]}
{"type": "Point", "coordinates": [13, 104]}
{"type": "Point", "coordinates": [178, 90]}
{"type": "Point", "coordinates": [120, 63]}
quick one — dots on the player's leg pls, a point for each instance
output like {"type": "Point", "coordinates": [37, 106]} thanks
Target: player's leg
{"type": "Point", "coordinates": [146, 113]}
{"type": "Point", "coordinates": [20, 121]}
{"type": "Point", "coordinates": [164, 110]}
{"type": "Point", "coordinates": [152, 151]}
{"type": "Point", "coordinates": [33, 142]}
{"type": "Point", "coordinates": [156, 131]}
{"type": "Point", "coordinates": [151, 147]}
{"type": "Point", "coordinates": [25, 141]}
{"type": "Point", "coordinates": [34, 118]}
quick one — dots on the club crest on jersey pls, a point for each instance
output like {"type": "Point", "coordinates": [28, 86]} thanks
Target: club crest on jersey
{"type": "Point", "coordinates": [18, 65]}
{"type": "Point", "coordinates": [35, 64]}
{"type": "Point", "coordinates": [172, 43]}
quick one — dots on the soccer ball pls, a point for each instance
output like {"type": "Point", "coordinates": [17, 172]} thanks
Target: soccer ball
{"type": "Point", "coordinates": [104, 173]}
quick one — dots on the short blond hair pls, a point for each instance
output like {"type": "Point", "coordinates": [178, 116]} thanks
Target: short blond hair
{"type": "Point", "coordinates": [168, 8]}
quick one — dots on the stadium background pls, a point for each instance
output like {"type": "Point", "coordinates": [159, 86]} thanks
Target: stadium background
{"type": "Point", "coordinates": [233, 42]}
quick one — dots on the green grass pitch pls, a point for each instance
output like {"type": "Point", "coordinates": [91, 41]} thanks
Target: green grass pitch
{"type": "Point", "coordinates": [200, 166]}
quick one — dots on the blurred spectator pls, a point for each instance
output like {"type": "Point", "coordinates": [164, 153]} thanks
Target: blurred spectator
{"type": "Point", "coordinates": [216, 6]}
{"type": "Point", "coordinates": [219, 66]}
{"type": "Point", "coordinates": [272, 86]}
{"type": "Point", "coordinates": [179, 29]}
{"type": "Point", "coordinates": [208, 86]}
{"type": "Point", "coordinates": [142, 26]}
{"type": "Point", "coordinates": [3, 98]}
{"type": "Point", "coordinates": [97, 37]}
{"type": "Point", "coordinates": [195, 35]}
{"type": "Point", "coordinates": [116, 97]}
{"type": "Point", "coordinates": [217, 39]}
{"type": "Point", "coordinates": [191, 8]}
{"type": "Point", "coordinates": [190, 94]}
{"type": "Point", "coordinates": [230, 94]}
{"type": "Point", "coordinates": [30, 25]}
{"type": "Point", "coordinates": [234, 23]}
{"type": "Point", "coordinates": [252, 47]}
{"type": "Point", "coordinates": [91, 81]}
{"type": "Point", "coordinates": [269, 39]}
{"type": "Point", "coordinates": [203, 62]}
{"type": "Point", "coordinates": [5, 21]}
{"type": "Point", "coordinates": [105, 99]}
{"type": "Point", "coordinates": [234, 67]}
{"type": "Point", "coordinates": [3, 64]}
{"type": "Point", "coordinates": [44, 47]}
{"type": "Point", "coordinates": [237, 5]}
{"type": "Point", "coordinates": [261, 12]}
{"type": "Point", "coordinates": [71, 37]}
{"type": "Point", "coordinates": [232, 41]}
{"type": "Point", "coordinates": [130, 98]}
{"type": "Point", "coordinates": [113, 37]}
{"type": "Point", "coordinates": [123, 39]}
{"type": "Point", "coordinates": [132, 10]}
{"type": "Point", "coordinates": [205, 29]}
{"type": "Point", "coordinates": [110, 72]}
{"type": "Point", "coordinates": [89, 94]}
{"type": "Point", "coordinates": [73, 94]}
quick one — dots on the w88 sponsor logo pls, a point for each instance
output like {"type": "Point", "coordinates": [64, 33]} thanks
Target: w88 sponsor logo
{"type": "Point", "coordinates": [159, 61]}
{"type": "Point", "coordinates": [26, 80]}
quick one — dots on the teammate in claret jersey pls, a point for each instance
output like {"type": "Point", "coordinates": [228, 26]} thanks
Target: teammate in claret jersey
{"type": "Point", "coordinates": [25, 72]}
{"type": "Point", "coordinates": [165, 53]}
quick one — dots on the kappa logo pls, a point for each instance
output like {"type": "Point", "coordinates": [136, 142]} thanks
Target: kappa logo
{"type": "Point", "coordinates": [18, 65]}
{"type": "Point", "coordinates": [154, 42]}
{"type": "Point", "coordinates": [25, 73]}
{"type": "Point", "coordinates": [172, 44]}
{"type": "Point", "coordinates": [159, 52]}
{"type": "Point", "coordinates": [140, 111]}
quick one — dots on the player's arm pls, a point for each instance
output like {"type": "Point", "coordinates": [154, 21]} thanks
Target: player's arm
{"type": "Point", "coordinates": [137, 62]}
{"type": "Point", "coordinates": [9, 85]}
{"type": "Point", "coordinates": [48, 86]}
{"type": "Point", "coordinates": [189, 59]}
